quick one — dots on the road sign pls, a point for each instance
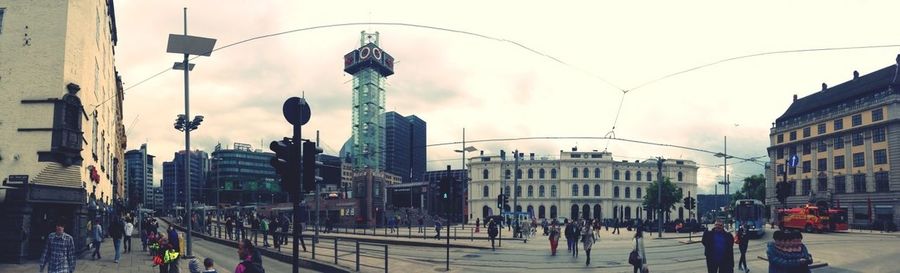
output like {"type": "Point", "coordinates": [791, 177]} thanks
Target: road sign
{"type": "Point", "coordinates": [296, 111]}
{"type": "Point", "coordinates": [792, 162]}
{"type": "Point", "coordinates": [17, 180]}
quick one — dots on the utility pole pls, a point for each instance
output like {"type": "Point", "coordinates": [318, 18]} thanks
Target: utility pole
{"type": "Point", "coordinates": [318, 194]}
{"type": "Point", "coordinates": [516, 191]}
{"type": "Point", "coordinates": [659, 180]}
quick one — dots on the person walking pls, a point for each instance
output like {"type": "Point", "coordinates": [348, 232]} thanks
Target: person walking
{"type": "Point", "coordinates": [117, 231]}
{"type": "Point", "coordinates": [743, 243]}
{"type": "Point", "coordinates": [587, 238]}
{"type": "Point", "coordinates": [477, 225]}
{"type": "Point", "coordinates": [421, 226]}
{"type": "Point", "coordinates": [59, 252]}
{"type": "Point", "coordinates": [570, 234]}
{"type": "Point", "coordinates": [254, 229]}
{"type": "Point", "coordinates": [264, 229]}
{"type": "Point", "coordinates": [616, 227]}
{"type": "Point", "coordinates": [492, 232]}
{"type": "Point", "coordinates": [129, 230]}
{"type": "Point", "coordinates": [554, 238]}
{"type": "Point", "coordinates": [719, 249]}
{"type": "Point", "coordinates": [437, 229]}
{"type": "Point", "coordinates": [96, 239]}
{"type": "Point", "coordinates": [229, 228]}
{"type": "Point", "coordinates": [249, 263]}
{"type": "Point", "coordinates": [173, 239]}
{"type": "Point", "coordinates": [786, 254]}
{"type": "Point", "coordinates": [576, 236]}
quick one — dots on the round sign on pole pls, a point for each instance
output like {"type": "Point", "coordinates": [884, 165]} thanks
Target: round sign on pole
{"type": "Point", "coordinates": [793, 161]}
{"type": "Point", "coordinates": [296, 111]}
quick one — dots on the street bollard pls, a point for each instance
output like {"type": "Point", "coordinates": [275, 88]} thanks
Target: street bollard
{"type": "Point", "coordinates": [357, 256]}
{"type": "Point", "coordinates": [314, 241]}
{"type": "Point", "coordinates": [335, 250]}
{"type": "Point", "coordinates": [409, 232]}
{"type": "Point", "coordinates": [472, 235]}
{"type": "Point", "coordinates": [454, 234]}
{"type": "Point", "coordinates": [385, 258]}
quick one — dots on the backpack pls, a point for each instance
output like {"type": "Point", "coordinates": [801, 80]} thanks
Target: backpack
{"type": "Point", "coordinates": [634, 258]}
{"type": "Point", "coordinates": [251, 267]}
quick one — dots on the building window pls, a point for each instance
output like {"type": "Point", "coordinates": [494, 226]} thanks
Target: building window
{"type": "Point", "coordinates": [792, 170]}
{"type": "Point", "coordinates": [485, 191]}
{"type": "Point", "coordinates": [680, 177]}
{"type": "Point", "coordinates": [627, 175]}
{"type": "Point", "coordinates": [507, 174]}
{"type": "Point", "coordinates": [821, 128]}
{"type": "Point", "coordinates": [94, 134]}
{"type": "Point", "coordinates": [616, 192]}
{"type": "Point", "coordinates": [530, 173]}
{"type": "Point", "coordinates": [840, 184]}
{"type": "Point", "coordinates": [638, 176]}
{"type": "Point", "coordinates": [637, 193]}
{"type": "Point", "coordinates": [857, 139]}
{"type": "Point", "coordinates": [856, 120]}
{"type": "Point", "coordinates": [807, 186]}
{"type": "Point", "coordinates": [553, 191]}
{"type": "Point", "coordinates": [838, 124]}
{"type": "Point", "coordinates": [877, 114]}
{"type": "Point", "coordinates": [596, 172]}
{"type": "Point", "coordinates": [807, 166]}
{"type": "Point", "coordinates": [881, 182]}
{"type": "Point", "coordinates": [484, 174]}
{"type": "Point", "coordinates": [508, 191]}
{"type": "Point", "coordinates": [586, 190]}
{"type": "Point", "coordinates": [859, 183]}
{"type": "Point", "coordinates": [585, 173]}
{"type": "Point", "coordinates": [553, 173]}
{"type": "Point", "coordinates": [806, 132]}
{"type": "Point", "coordinates": [878, 134]}
{"type": "Point", "coordinates": [793, 135]}
{"type": "Point", "coordinates": [807, 148]}
{"type": "Point", "coordinates": [838, 142]}
{"type": "Point", "coordinates": [780, 138]}
{"type": "Point", "coordinates": [541, 191]}
{"type": "Point", "coordinates": [880, 156]}
{"type": "Point", "coordinates": [575, 190]}
{"type": "Point", "coordinates": [780, 169]}
{"type": "Point", "coordinates": [823, 165]}
{"type": "Point", "coordinates": [530, 191]}
{"type": "Point", "coordinates": [541, 173]}
{"type": "Point", "coordinates": [616, 175]}
{"type": "Point", "coordinates": [792, 185]}
{"type": "Point", "coordinates": [649, 177]}
{"type": "Point", "coordinates": [838, 162]}
{"type": "Point", "coordinates": [518, 191]}
{"type": "Point", "coordinates": [792, 151]}
{"type": "Point", "coordinates": [627, 192]}
{"type": "Point", "coordinates": [596, 190]}
{"type": "Point", "coordinates": [779, 153]}
{"type": "Point", "coordinates": [822, 146]}
{"type": "Point", "coordinates": [859, 160]}
{"type": "Point", "coordinates": [519, 174]}
{"type": "Point", "coordinates": [574, 172]}
{"type": "Point", "coordinates": [822, 183]}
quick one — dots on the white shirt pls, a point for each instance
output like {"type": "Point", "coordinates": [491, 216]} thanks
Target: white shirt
{"type": "Point", "coordinates": [129, 228]}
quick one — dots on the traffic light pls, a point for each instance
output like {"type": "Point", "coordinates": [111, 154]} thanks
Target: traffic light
{"type": "Point", "coordinates": [693, 203]}
{"type": "Point", "coordinates": [687, 202]}
{"type": "Point", "coordinates": [310, 165]}
{"type": "Point", "coordinates": [782, 190]}
{"type": "Point", "coordinates": [286, 164]}
{"type": "Point", "coordinates": [500, 201]}
{"type": "Point", "coordinates": [505, 200]}
{"type": "Point", "coordinates": [444, 187]}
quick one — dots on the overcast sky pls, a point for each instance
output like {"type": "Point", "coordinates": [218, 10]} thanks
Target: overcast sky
{"type": "Point", "coordinates": [496, 89]}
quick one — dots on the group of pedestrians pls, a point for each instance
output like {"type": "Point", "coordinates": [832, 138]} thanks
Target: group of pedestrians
{"type": "Point", "coordinates": [786, 253]}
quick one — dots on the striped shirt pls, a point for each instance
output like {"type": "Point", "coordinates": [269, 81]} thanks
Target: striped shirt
{"type": "Point", "coordinates": [59, 253]}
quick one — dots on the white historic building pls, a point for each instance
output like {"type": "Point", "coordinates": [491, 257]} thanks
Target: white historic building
{"type": "Point", "coordinates": [575, 185]}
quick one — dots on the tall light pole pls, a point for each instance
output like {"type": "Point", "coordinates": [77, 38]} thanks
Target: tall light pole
{"type": "Point", "coordinates": [659, 181]}
{"type": "Point", "coordinates": [188, 45]}
{"type": "Point", "coordinates": [725, 183]}
{"type": "Point", "coordinates": [463, 152]}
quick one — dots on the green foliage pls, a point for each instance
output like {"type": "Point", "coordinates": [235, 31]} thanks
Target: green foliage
{"type": "Point", "coordinates": [670, 195]}
{"type": "Point", "coordinates": [754, 188]}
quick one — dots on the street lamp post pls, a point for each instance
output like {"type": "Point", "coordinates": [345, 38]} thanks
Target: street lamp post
{"type": "Point", "coordinates": [463, 152]}
{"type": "Point", "coordinates": [188, 45]}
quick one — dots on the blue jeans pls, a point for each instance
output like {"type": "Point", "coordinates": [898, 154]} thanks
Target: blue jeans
{"type": "Point", "coordinates": [118, 244]}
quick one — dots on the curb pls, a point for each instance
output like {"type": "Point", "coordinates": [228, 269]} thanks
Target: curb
{"type": "Point", "coordinates": [308, 264]}
{"type": "Point", "coordinates": [405, 243]}
{"type": "Point", "coordinates": [811, 266]}
{"type": "Point", "coordinates": [689, 242]}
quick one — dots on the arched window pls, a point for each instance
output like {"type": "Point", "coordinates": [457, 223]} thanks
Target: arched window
{"type": "Point", "coordinates": [616, 192]}
{"type": "Point", "coordinates": [518, 191]}
{"type": "Point", "coordinates": [541, 212]}
{"type": "Point", "coordinates": [627, 212]}
{"type": "Point", "coordinates": [637, 193]}
{"type": "Point", "coordinates": [586, 190]}
{"type": "Point", "coordinates": [530, 210]}
{"type": "Point", "coordinates": [508, 174]}
{"type": "Point", "coordinates": [519, 173]}
{"type": "Point", "coordinates": [585, 173]}
{"type": "Point", "coordinates": [616, 175]}
{"type": "Point", "coordinates": [649, 177]}
{"type": "Point", "coordinates": [553, 173]}
{"type": "Point", "coordinates": [485, 191]}
{"type": "Point", "coordinates": [484, 174]}
{"type": "Point", "coordinates": [597, 212]}
{"type": "Point", "coordinates": [518, 208]}
{"type": "Point", "coordinates": [596, 190]}
{"type": "Point", "coordinates": [553, 212]}
{"type": "Point", "coordinates": [530, 191]}
{"type": "Point", "coordinates": [541, 173]}
{"type": "Point", "coordinates": [680, 176]}
{"type": "Point", "coordinates": [575, 190]}
{"type": "Point", "coordinates": [574, 172]}
{"type": "Point", "coordinates": [596, 172]}
{"type": "Point", "coordinates": [586, 211]}
{"type": "Point", "coordinates": [627, 192]}
{"type": "Point", "coordinates": [541, 191]}
{"type": "Point", "coordinates": [574, 212]}
{"type": "Point", "coordinates": [638, 176]}
{"type": "Point", "coordinates": [485, 212]}
{"type": "Point", "coordinates": [530, 173]}
{"type": "Point", "coordinates": [627, 175]}
{"type": "Point", "coordinates": [553, 191]}
{"type": "Point", "coordinates": [508, 191]}
{"type": "Point", "coordinates": [95, 134]}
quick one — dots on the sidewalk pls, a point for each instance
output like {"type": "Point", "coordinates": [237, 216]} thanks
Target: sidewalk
{"type": "Point", "coordinates": [134, 262]}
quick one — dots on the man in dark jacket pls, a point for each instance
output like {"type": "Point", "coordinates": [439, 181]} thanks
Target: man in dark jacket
{"type": "Point", "coordinates": [492, 232]}
{"type": "Point", "coordinates": [117, 231]}
{"type": "Point", "coordinates": [719, 249]}
{"type": "Point", "coordinates": [570, 234]}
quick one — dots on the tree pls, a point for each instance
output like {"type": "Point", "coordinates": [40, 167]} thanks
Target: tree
{"type": "Point", "coordinates": [754, 188]}
{"type": "Point", "coordinates": [670, 196]}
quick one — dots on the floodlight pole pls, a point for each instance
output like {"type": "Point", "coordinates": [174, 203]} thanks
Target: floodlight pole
{"type": "Point", "coordinates": [187, 146]}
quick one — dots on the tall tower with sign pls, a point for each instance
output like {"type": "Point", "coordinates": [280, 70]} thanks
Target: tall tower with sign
{"type": "Point", "coordinates": [369, 66]}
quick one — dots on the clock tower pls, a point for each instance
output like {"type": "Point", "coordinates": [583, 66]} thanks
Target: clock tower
{"type": "Point", "coordinates": [369, 65]}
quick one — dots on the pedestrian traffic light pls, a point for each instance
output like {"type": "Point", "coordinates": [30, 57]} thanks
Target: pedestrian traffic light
{"type": "Point", "coordinates": [500, 200]}
{"type": "Point", "coordinates": [687, 202]}
{"type": "Point", "coordinates": [444, 187]}
{"type": "Point", "coordinates": [782, 190]}
{"type": "Point", "coordinates": [505, 200]}
{"type": "Point", "coordinates": [693, 203]}
{"type": "Point", "coordinates": [310, 165]}
{"type": "Point", "coordinates": [286, 164]}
